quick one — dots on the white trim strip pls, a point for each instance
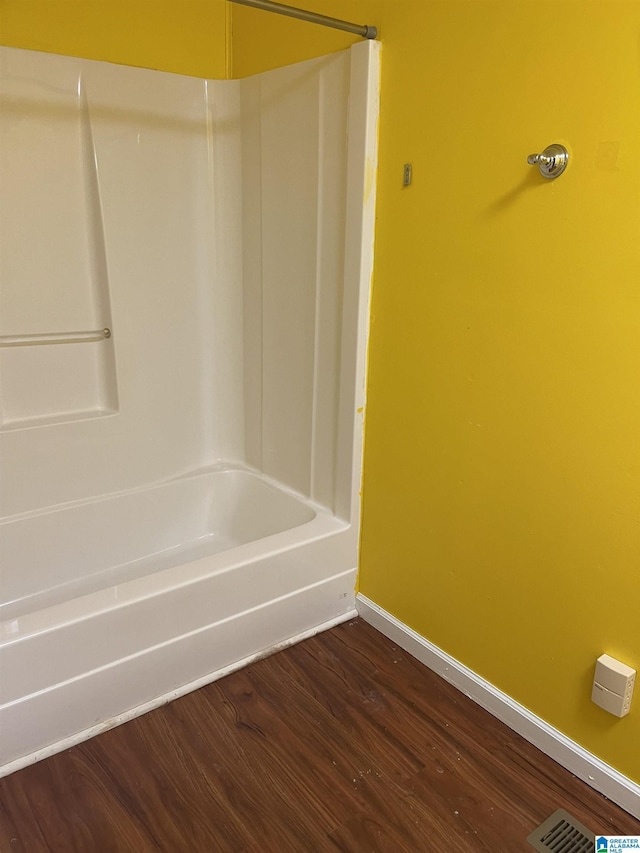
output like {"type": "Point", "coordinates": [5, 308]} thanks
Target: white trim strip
{"type": "Point", "coordinates": [583, 764]}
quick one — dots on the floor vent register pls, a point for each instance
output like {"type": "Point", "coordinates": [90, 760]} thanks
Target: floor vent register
{"type": "Point", "coordinates": [562, 833]}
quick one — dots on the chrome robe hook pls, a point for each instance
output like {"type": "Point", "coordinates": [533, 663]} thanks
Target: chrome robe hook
{"type": "Point", "coordinates": [552, 162]}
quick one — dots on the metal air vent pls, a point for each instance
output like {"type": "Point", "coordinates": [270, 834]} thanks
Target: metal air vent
{"type": "Point", "coordinates": [562, 833]}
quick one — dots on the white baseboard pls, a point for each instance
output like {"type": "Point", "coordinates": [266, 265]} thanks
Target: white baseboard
{"type": "Point", "coordinates": [586, 766]}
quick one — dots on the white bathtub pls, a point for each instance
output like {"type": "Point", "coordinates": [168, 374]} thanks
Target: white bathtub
{"type": "Point", "coordinates": [195, 575]}
{"type": "Point", "coordinates": [65, 552]}
{"type": "Point", "coordinates": [183, 495]}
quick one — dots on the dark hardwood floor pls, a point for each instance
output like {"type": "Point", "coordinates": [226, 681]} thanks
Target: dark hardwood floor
{"type": "Point", "coordinates": [341, 743]}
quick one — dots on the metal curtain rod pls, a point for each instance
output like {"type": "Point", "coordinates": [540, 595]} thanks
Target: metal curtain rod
{"type": "Point", "coordinates": [313, 17]}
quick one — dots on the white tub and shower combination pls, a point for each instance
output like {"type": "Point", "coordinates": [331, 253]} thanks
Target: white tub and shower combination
{"type": "Point", "coordinates": [180, 493]}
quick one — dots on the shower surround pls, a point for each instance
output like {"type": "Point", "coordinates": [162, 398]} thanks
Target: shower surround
{"type": "Point", "coordinates": [179, 493]}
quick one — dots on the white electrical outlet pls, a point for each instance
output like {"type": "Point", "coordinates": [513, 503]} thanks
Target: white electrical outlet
{"type": "Point", "coordinates": [613, 685]}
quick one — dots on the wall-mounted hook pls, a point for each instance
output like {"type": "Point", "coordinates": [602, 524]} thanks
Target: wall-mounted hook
{"type": "Point", "coordinates": [552, 162]}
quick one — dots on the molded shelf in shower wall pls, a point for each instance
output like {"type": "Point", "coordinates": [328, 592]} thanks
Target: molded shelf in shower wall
{"type": "Point", "coordinates": [56, 383]}
{"type": "Point", "coordinates": [53, 268]}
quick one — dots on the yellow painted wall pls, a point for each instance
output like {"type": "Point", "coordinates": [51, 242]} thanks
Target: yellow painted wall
{"type": "Point", "coordinates": [262, 41]}
{"type": "Point", "coordinates": [183, 36]}
{"type": "Point", "coordinates": [501, 514]}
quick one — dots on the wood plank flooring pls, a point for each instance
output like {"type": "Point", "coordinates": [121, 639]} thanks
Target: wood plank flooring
{"type": "Point", "coordinates": [341, 743]}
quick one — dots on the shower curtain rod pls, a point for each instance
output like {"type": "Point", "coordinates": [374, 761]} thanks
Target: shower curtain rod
{"type": "Point", "coordinates": [313, 17]}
